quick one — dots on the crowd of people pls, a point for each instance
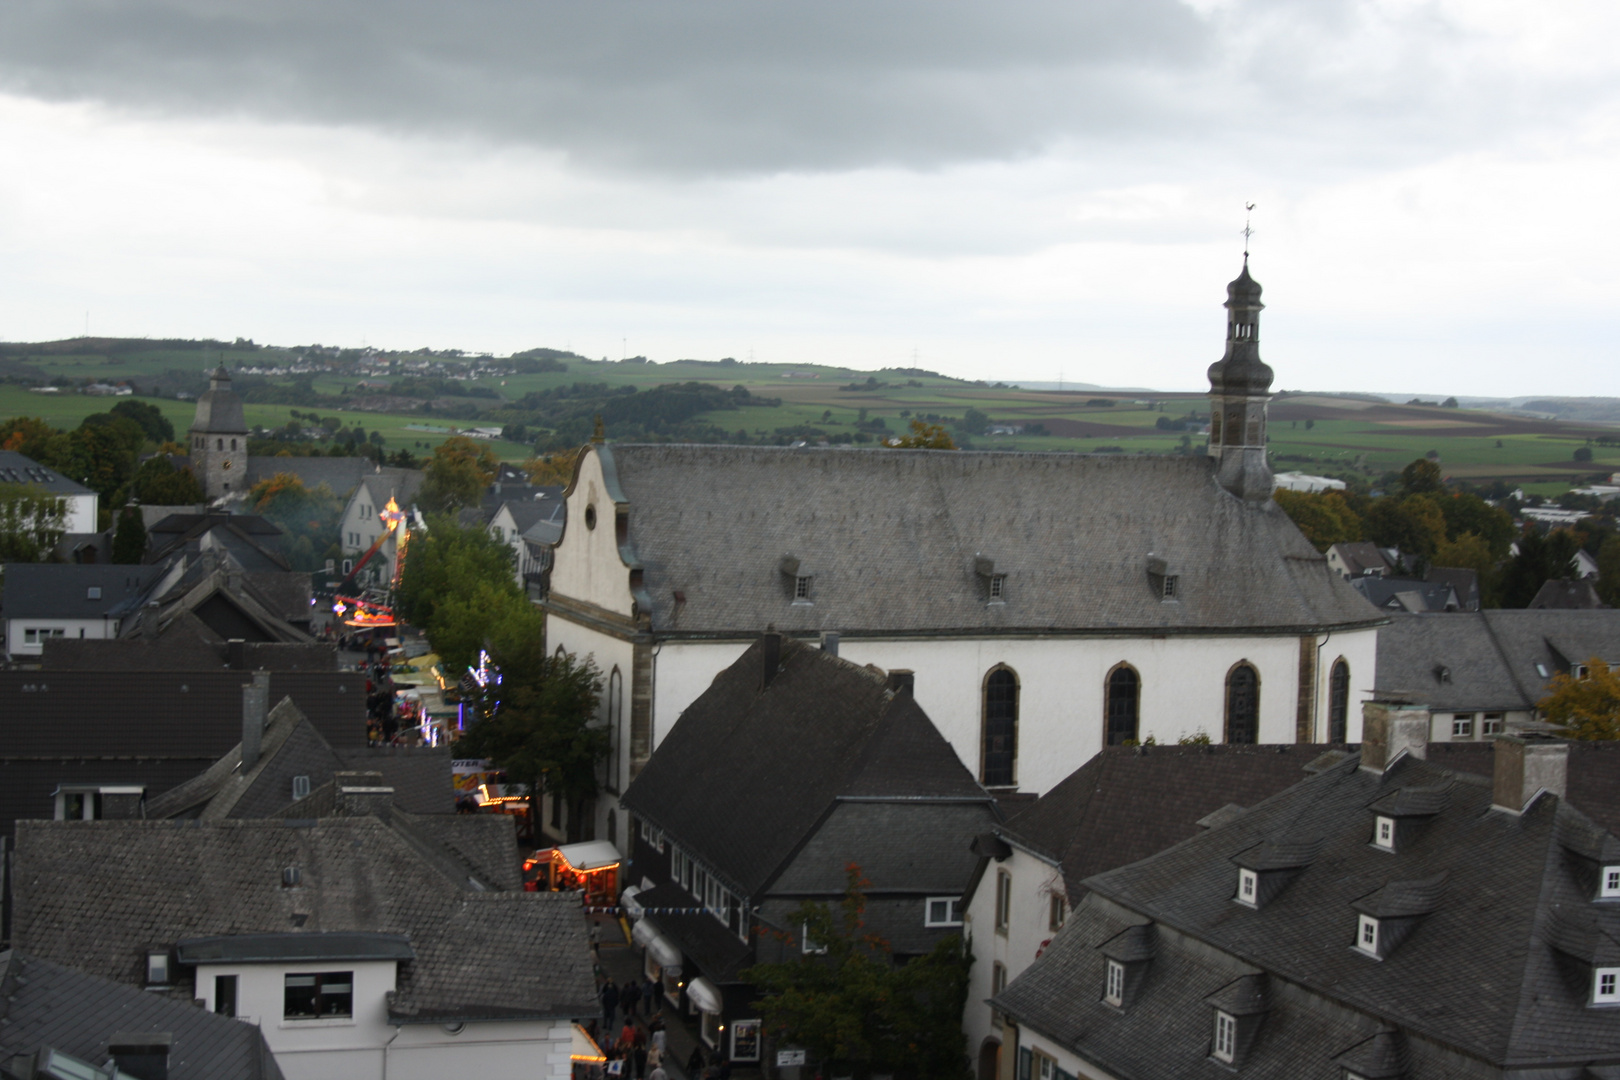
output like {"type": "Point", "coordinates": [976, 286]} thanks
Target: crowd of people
{"type": "Point", "coordinates": [634, 1038]}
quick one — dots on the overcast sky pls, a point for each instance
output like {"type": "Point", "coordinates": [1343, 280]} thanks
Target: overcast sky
{"type": "Point", "coordinates": [1026, 189]}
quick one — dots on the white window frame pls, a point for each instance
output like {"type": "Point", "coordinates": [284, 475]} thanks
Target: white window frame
{"type": "Point", "coordinates": [1491, 723]}
{"type": "Point", "coordinates": [1057, 911]}
{"type": "Point", "coordinates": [1609, 883]}
{"type": "Point", "coordinates": [1003, 901]}
{"type": "Point", "coordinates": [1168, 590]}
{"type": "Point", "coordinates": [801, 588]}
{"type": "Point", "coordinates": [1114, 983]}
{"type": "Point", "coordinates": [1384, 833]}
{"type": "Point", "coordinates": [159, 970]}
{"type": "Point", "coordinates": [1462, 725]}
{"type": "Point", "coordinates": [1224, 1046]}
{"type": "Point", "coordinates": [1606, 986]}
{"type": "Point", "coordinates": [1367, 935]}
{"type": "Point", "coordinates": [998, 587]}
{"type": "Point", "coordinates": [808, 945]}
{"type": "Point", "coordinates": [953, 911]}
{"type": "Point", "coordinates": [1248, 892]}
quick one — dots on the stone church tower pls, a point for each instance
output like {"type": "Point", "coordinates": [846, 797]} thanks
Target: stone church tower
{"type": "Point", "coordinates": [219, 439]}
{"type": "Point", "coordinates": [1239, 388]}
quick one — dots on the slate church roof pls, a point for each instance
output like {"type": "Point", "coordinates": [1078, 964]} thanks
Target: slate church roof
{"type": "Point", "coordinates": [1487, 912]}
{"type": "Point", "coordinates": [905, 542]}
{"type": "Point", "coordinates": [219, 408]}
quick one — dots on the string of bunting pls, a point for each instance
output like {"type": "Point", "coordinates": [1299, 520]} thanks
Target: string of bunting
{"type": "Point", "coordinates": [594, 910]}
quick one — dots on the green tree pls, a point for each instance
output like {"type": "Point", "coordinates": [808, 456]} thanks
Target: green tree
{"type": "Point", "coordinates": [103, 451]}
{"type": "Point", "coordinates": [1468, 513]}
{"type": "Point", "coordinates": [924, 437]}
{"type": "Point", "coordinates": [150, 418]}
{"type": "Point", "coordinates": [1325, 517]}
{"type": "Point", "coordinates": [1414, 524]}
{"type": "Point", "coordinates": [1540, 559]}
{"type": "Point", "coordinates": [129, 539]}
{"type": "Point", "coordinates": [34, 438]}
{"type": "Point", "coordinates": [974, 422]}
{"type": "Point", "coordinates": [308, 517]}
{"type": "Point", "coordinates": [444, 562]}
{"type": "Point", "coordinates": [1608, 560]}
{"type": "Point", "coordinates": [1421, 476]}
{"type": "Point", "coordinates": [159, 483]}
{"type": "Point", "coordinates": [31, 523]}
{"type": "Point", "coordinates": [1583, 453]}
{"type": "Point", "coordinates": [853, 1007]}
{"type": "Point", "coordinates": [1586, 707]}
{"type": "Point", "coordinates": [457, 474]}
{"type": "Point", "coordinates": [1470, 551]}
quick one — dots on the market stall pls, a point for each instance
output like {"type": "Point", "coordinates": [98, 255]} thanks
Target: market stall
{"type": "Point", "coordinates": [592, 866]}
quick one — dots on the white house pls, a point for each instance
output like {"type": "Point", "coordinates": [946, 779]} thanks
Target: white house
{"type": "Point", "coordinates": [81, 503]}
{"type": "Point", "coordinates": [1297, 481]}
{"type": "Point", "coordinates": [362, 520]}
{"type": "Point", "coordinates": [1041, 606]}
{"type": "Point", "coordinates": [69, 600]}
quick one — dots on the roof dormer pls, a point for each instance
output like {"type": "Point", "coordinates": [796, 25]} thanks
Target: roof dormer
{"type": "Point", "coordinates": [1594, 956]}
{"type": "Point", "coordinates": [1126, 958]}
{"type": "Point", "coordinates": [1386, 916]}
{"type": "Point", "coordinates": [1265, 869]}
{"type": "Point", "coordinates": [1593, 855]}
{"type": "Point", "coordinates": [1399, 815]}
{"type": "Point", "coordinates": [1384, 1056]}
{"type": "Point", "coordinates": [1240, 1008]}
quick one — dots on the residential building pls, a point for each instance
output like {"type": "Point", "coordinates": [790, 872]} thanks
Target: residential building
{"type": "Point", "coordinates": [80, 502]}
{"type": "Point", "coordinates": [792, 766]}
{"type": "Point", "coordinates": [340, 474]}
{"type": "Point", "coordinates": [1043, 605]}
{"type": "Point", "coordinates": [1121, 806]}
{"type": "Point", "coordinates": [365, 518]}
{"type": "Point", "coordinates": [364, 943]}
{"type": "Point", "coordinates": [41, 602]}
{"type": "Point", "coordinates": [57, 1022]}
{"type": "Point", "coordinates": [1404, 594]}
{"type": "Point", "coordinates": [1385, 918]}
{"type": "Point", "coordinates": [1480, 674]}
{"type": "Point", "coordinates": [1563, 594]}
{"type": "Point", "coordinates": [252, 541]}
{"type": "Point", "coordinates": [1297, 481]}
{"type": "Point", "coordinates": [1362, 559]}
{"type": "Point", "coordinates": [218, 439]}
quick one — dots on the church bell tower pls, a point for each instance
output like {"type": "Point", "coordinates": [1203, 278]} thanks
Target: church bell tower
{"type": "Point", "coordinates": [1239, 389]}
{"type": "Point", "coordinates": [219, 439]}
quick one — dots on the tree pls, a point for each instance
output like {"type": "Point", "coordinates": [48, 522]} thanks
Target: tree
{"type": "Point", "coordinates": [32, 523]}
{"type": "Point", "coordinates": [458, 474]}
{"type": "Point", "coordinates": [159, 483]}
{"type": "Point", "coordinates": [102, 453]}
{"type": "Point", "coordinates": [1414, 524]}
{"type": "Point", "coordinates": [1470, 551]}
{"type": "Point", "coordinates": [1583, 453]}
{"type": "Point", "coordinates": [1325, 517]}
{"type": "Point", "coordinates": [974, 422]}
{"type": "Point", "coordinates": [1540, 559]}
{"type": "Point", "coordinates": [150, 418]}
{"type": "Point", "coordinates": [857, 1010]}
{"type": "Point", "coordinates": [1421, 476]}
{"type": "Point", "coordinates": [1586, 707]}
{"type": "Point", "coordinates": [308, 517]}
{"type": "Point", "coordinates": [1468, 513]}
{"type": "Point", "coordinates": [555, 468]}
{"type": "Point", "coordinates": [924, 437]}
{"type": "Point", "coordinates": [129, 539]}
{"type": "Point", "coordinates": [34, 438]}
{"type": "Point", "coordinates": [1608, 560]}
{"type": "Point", "coordinates": [446, 561]}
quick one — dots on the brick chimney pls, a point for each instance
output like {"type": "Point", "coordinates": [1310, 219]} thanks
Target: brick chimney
{"type": "Point", "coordinates": [361, 794]}
{"type": "Point", "coordinates": [1526, 765]}
{"type": "Point", "coordinates": [1389, 727]}
{"type": "Point", "coordinates": [255, 714]}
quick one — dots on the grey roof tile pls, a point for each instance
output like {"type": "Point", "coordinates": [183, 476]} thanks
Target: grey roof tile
{"type": "Point", "coordinates": [18, 468]}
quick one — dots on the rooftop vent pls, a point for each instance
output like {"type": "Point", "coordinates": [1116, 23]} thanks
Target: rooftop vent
{"type": "Point", "coordinates": [290, 877]}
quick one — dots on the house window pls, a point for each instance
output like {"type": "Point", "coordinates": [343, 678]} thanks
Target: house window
{"type": "Point", "coordinates": [319, 995]}
{"type": "Point", "coordinates": [1114, 987]}
{"type": "Point", "coordinates": [1248, 888]}
{"type": "Point", "coordinates": [1225, 1048]}
{"type": "Point", "coordinates": [807, 944]}
{"type": "Point", "coordinates": [78, 806]}
{"type": "Point", "coordinates": [1384, 833]}
{"type": "Point", "coordinates": [1606, 986]}
{"type": "Point", "coordinates": [1367, 935]}
{"type": "Point", "coordinates": [157, 967]}
{"type": "Point", "coordinates": [93, 592]}
{"type": "Point", "coordinates": [1124, 694]}
{"type": "Point", "coordinates": [300, 787]}
{"type": "Point", "coordinates": [1611, 883]}
{"type": "Point", "coordinates": [1339, 702]}
{"type": "Point", "coordinates": [1169, 586]}
{"type": "Point", "coordinates": [1243, 705]}
{"type": "Point", "coordinates": [1580, 671]}
{"type": "Point", "coordinates": [1057, 911]}
{"type": "Point", "coordinates": [225, 995]}
{"type": "Point", "coordinates": [998, 587]}
{"type": "Point", "coordinates": [1042, 1067]}
{"type": "Point", "coordinates": [1003, 901]}
{"type": "Point", "coordinates": [1490, 724]}
{"type": "Point", "coordinates": [801, 588]}
{"type": "Point", "coordinates": [1462, 725]}
{"type": "Point", "coordinates": [1000, 728]}
{"type": "Point", "coordinates": [998, 983]}
{"type": "Point", "coordinates": [944, 911]}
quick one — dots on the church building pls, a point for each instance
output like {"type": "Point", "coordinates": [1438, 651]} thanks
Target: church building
{"type": "Point", "coordinates": [1039, 606]}
{"type": "Point", "coordinates": [219, 439]}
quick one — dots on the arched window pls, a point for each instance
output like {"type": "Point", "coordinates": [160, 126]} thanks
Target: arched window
{"type": "Point", "coordinates": [615, 717]}
{"type": "Point", "coordinates": [219, 444]}
{"type": "Point", "coordinates": [1243, 705]}
{"type": "Point", "coordinates": [1339, 702]}
{"type": "Point", "coordinates": [1000, 728]}
{"type": "Point", "coordinates": [1124, 701]}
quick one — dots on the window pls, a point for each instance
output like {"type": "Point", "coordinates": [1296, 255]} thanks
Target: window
{"type": "Point", "coordinates": [1043, 1067]}
{"type": "Point", "coordinates": [319, 996]}
{"type": "Point", "coordinates": [1462, 725]}
{"type": "Point", "coordinates": [1339, 702]}
{"type": "Point", "coordinates": [157, 967]}
{"type": "Point", "coordinates": [39, 635]}
{"type": "Point", "coordinates": [1490, 724]}
{"type": "Point", "coordinates": [1225, 1048]}
{"type": "Point", "coordinates": [225, 995]}
{"type": "Point", "coordinates": [1057, 911]}
{"type": "Point", "coordinates": [1003, 900]}
{"type": "Point", "coordinates": [1606, 986]}
{"type": "Point", "coordinates": [1384, 833]}
{"type": "Point", "coordinates": [1367, 935]}
{"type": "Point", "coordinates": [1000, 728]}
{"type": "Point", "coordinates": [219, 444]}
{"type": "Point", "coordinates": [1248, 888]}
{"type": "Point", "coordinates": [93, 592]}
{"type": "Point", "coordinates": [943, 911]}
{"type": "Point", "coordinates": [998, 983]}
{"type": "Point", "coordinates": [998, 587]}
{"type": "Point", "coordinates": [1114, 985]}
{"type": "Point", "coordinates": [615, 721]}
{"type": "Point", "coordinates": [1123, 695]}
{"type": "Point", "coordinates": [300, 787]}
{"type": "Point", "coordinates": [1169, 586]}
{"type": "Point", "coordinates": [801, 589]}
{"type": "Point", "coordinates": [807, 944]}
{"type": "Point", "coordinates": [1611, 883]}
{"type": "Point", "coordinates": [1580, 671]}
{"type": "Point", "coordinates": [1243, 705]}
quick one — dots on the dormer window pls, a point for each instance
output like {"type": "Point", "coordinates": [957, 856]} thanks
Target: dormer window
{"type": "Point", "coordinates": [1248, 888]}
{"type": "Point", "coordinates": [801, 588]}
{"type": "Point", "coordinates": [1609, 889]}
{"type": "Point", "coordinates": [1114, 985]}
{"type": "Point", "coordinates": [1169, 592]}
{"type": "Point", "coordinates": [1225, 1046]}
{"type": "Point", "coordinates": [1606, 986]}
{"type": "Point", "coordinates": [157, 967]}
{"type": "Point", "coordinates": [93, 592]}
{"type": "Point", "coordinates": [1384, 833]}
{"type": "Point", "coordinates": [998, 587]}
{"type": "Point", "coordinates": [1367, 935]}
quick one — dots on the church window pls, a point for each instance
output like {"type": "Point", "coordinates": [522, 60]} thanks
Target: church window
{"type": "Point", "coordinates": [1243, 705]}
{"type": "Point", "coordinates": [1000, 728]}
{"type": "Point", "coordinates": [1338, 701]}
{"type": "Point", "coordinates": [1123, 701]}
{"type": "Point", "coordinates": [233, 444]}
{"type": "Point", "coordinates": [615, 722]}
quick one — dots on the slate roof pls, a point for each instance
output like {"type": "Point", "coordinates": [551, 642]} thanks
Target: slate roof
{"type": "Point", "coordinates": [1127, 803]}
{"type": "Point", "coordinates": [399, 484]}
{"type": "Point", "coordinates": [219, 408]}
{"type": "Point", "coordinates": [1567, 596]}
{"type": "Point", "coordinates": [1592, 785]}
{"type": "Point", "coordinates": [1487, 660]}
{"type": "Point", "coordinates": [216, 598]}
{"type": "Point", "coordinates": [97, 894]}
{"type": "Point", "coordinates": [178, 650]}
{"type": "Point", "coordinates": [890, 540]}
{"type": "Point", "coordinates": [1478, 975]}
{"type": "Point", "coordinates": [1359, 556]}
{"type": "Point", "coordinates": [46, 1004]}
{"type": "Point", "coordinates": [340, 474]}
{"type": "Point", "coordinates": [18, 468]}
{"type": "Point", "coordinates": [62, 590]}
{"type": "Point", "coordinates": [1406, 594]}
{"type": "Point", "coordinates": [747, 774]}
{"type": "Point", "coordinates": [251, 541]}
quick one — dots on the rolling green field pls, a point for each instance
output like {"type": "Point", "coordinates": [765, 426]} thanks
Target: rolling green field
{"type": "Point", "coordinates": [1309, 433]}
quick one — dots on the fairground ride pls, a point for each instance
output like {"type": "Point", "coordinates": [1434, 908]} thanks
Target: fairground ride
{"type": "Point", "coordinates": [371, 603]}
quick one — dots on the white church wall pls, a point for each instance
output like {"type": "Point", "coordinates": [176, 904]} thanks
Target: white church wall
{"type": "Point", "coordinates": [587, 567]}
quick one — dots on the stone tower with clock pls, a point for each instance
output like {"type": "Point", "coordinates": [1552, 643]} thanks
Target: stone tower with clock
{"type": "Point", "coordinates": [219, 439]}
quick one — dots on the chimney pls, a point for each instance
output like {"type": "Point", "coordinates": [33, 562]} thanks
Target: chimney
{"type": "Point", "coordinates": [359, 794]}
{"type": "Point", "coordinates": [255, 714]}
{"type": "Point", "coordinates": [1525, 766]}
{"type": "Point", "coordinates": [770, 656]}
{"type": "Point", "coordinates": [143, 1055]}
{"type": "Point", "coordinates": [1389, 727]}
{"type": "Point", "coordinates": [829, 642]}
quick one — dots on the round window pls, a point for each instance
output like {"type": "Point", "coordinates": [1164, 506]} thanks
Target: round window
{"type": "Point", "coordinates": [590, 517]}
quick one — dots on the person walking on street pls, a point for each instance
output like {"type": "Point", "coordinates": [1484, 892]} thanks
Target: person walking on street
{"type": "Point", "coordinates": [610, 1004]}
{"type": "Point", "coordinates": [630, 997]}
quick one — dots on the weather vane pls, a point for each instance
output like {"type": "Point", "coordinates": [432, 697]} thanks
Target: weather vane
{"type": "Point", "coordinates": [1248, 208]}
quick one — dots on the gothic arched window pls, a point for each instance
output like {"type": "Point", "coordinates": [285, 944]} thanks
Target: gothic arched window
{"type": "Point", "coordinates": [615, 720]}
{"type": "Point", "coordinates": [1000, 728]}
{"type": "Point", "coordinates": [1339, 702]}
{"type": "Point", "coordinates": [1124, 694]}
{"type": "Point", "coordinates": [1243, 704]}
